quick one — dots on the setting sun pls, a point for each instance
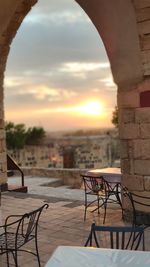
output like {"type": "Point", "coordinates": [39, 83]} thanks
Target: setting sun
{"type": "Point", "coordinates": [93, 108]}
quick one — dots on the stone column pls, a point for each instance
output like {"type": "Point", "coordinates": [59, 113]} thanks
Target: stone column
{"type": "Point", "coordinates": [13, 12]}
{"type": "Point", "coordinates": [134, 131]}
{"type": "Point", "coordinates": [3, 162]}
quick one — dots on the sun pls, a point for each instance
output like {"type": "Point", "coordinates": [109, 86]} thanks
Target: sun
{"type": "Point", "coordinates": [92, 108]}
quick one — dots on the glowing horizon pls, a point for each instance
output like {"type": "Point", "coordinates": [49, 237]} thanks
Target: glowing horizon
{"type": "Point", "coordinates": [58, 77]}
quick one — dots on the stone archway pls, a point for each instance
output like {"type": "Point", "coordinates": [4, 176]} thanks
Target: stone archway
{"type": "Point", "coordinates": [124, 29]}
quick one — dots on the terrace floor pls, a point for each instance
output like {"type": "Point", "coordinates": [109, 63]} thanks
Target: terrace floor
{"type": "Point", "coordinates": [61, 224]}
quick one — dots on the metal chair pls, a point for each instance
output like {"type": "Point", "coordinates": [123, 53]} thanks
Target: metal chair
{"type": "Point", "coordinates": [140, 205]}
{"type": "Point", "coordinates": [103, 192]}
{"type": "Point", "coordinates": [116, 237]}
{"type": "Point", "coordinates": [19, 230]}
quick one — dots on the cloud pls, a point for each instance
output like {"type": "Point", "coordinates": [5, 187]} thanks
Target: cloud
{"type": "Point", "coordinates": [56, 59]}
{"type": "Point", "coordinates": [83, 67]}
{"type": "Point", "coordinates": [56, 12]}
{"type": "Point", "coordinates": [108, 81]}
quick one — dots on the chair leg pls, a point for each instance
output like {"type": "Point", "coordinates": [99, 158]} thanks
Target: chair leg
{"type": "Point", "coordinates": [105, 207]}
{"type": "Point", "coordinates": [98, 204]}
{"type": "Point", "coordinates": [15, 256]}
{"type": "Point", "coordinates": [37, 251]}
{"type": "Point", "coordinates": [85, 207]}
{"type": "Point", "coordinates": [7, 258]}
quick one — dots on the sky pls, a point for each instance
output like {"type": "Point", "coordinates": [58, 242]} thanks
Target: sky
{"type": "Point", "coordinates": [58, 74]}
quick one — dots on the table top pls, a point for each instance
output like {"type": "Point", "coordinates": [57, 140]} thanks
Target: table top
{"type": "Point", "coordinates": [67, 256]}
{"type": "Point", "coordinates": [110, 174]}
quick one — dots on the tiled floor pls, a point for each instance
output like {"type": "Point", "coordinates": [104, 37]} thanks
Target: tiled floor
{"type": "Point", "coordinates": [61, 224]}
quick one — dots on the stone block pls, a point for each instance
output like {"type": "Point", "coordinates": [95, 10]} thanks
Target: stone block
{"type": "Point", "coordinates": [144, 27]}
{"type": "Point", "coordinates": [147, 183]}
{"type": "Point", "coordinates": [145, 130]}
{"type": "Point", "coordinates": [145, 56]}
{"type": "Point", "coordinates": [3, 157]}
{"type": "Point", "coordinates": [142, 115]}
{"type": "Point", "coordinates": [127, 115]}
{"type": "Point", "coordinates": [146, 68]}
{"type": "Point", "coordinates": [141, 149]}
{"type": "Point", "coordinates": [4, 167]}
{"type": "Point", "coordinates": [124, 149]}
{"type": "Point", "coordinates": [2, 134]}
{"type": "Point", "coordinates": [142, 167]}
{"type": "Point", "coordinates": [141, 3]}
{"type": "Point", "coordinates": [146, 73]}
{"type": "Point", "coordinates": [143, 14]}
{"type": "Point", "coordinates": [133, 182]}
{"type": "Point", "coordinates": [145, 42]}
{"type": "Point", "coordinates": [129, 131]}
{"type": "Point", "coordinates": [3, 178]}
{"type": "Point", "coordinates": [129, 99]}
{"type": "Point", "coordinates": [125, 166]}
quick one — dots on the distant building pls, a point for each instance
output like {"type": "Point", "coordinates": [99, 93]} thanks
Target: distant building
{"type": "Point", "coordinates": [94, 151]}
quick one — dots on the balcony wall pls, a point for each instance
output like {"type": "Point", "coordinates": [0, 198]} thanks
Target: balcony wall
{"type": "Point", "coordinates": [71, 177]}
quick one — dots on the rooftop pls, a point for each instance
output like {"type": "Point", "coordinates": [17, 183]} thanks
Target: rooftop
{"type": "Point", "coordinates": [61, 224]}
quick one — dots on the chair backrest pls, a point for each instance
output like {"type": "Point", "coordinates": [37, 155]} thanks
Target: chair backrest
{"type": "Point", "coordinates": [140, 205]}
{"type": "Point", "coordinates": [116, 237]}
{"type": "Point", "coordinates": [95, 184]}
{"type": "Point", "coordinates": [25, 226]}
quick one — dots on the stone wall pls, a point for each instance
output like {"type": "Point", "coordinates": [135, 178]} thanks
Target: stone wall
{"type": "Point", "coordinates": [70, 177]}
{"type": "Point", "coordinates": [13, 14]}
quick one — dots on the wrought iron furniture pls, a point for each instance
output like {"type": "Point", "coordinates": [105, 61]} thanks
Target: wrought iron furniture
{"type": "Point", "coordinates": [103, 192]}
{"type": "Point", "coordinates": [116, 237]}
{"type": "Point", "coordinates": [19, 230]}
{"type": "Point", "coordinates": [140, 207]}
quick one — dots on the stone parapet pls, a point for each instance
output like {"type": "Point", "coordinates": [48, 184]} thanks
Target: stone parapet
{"type": "Point", "coordinates": [71, 177]}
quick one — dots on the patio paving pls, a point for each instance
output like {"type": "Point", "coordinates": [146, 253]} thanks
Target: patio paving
{"type": "Point", "coordinates": [61, 224]}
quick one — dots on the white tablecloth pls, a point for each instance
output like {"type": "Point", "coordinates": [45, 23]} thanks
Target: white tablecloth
{"type": "Point", "coordinates": [66, 256]}
{"type": "Point", "coordinates": [109, 174]}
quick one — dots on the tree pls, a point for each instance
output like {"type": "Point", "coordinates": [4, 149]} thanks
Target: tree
{"type": "Point", "coordinates": [35, 135]}
{"type": "Point", "coordinates": [15, 135]}
{"type": "Point", "coordinates": [114, 119]}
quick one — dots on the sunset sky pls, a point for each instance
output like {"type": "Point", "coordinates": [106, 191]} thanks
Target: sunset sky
{"type": "Point", "coordinates": [58, 74]}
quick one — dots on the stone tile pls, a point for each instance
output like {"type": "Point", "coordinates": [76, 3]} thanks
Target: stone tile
{"type": "Point", "coordinates": [59, 225]}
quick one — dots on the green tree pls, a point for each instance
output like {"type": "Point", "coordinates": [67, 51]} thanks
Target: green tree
{"type": "Point", "coordinates": [15, 135]}
{"type": "Point", "coordinates": [35, 135]}
{"type": "Point", "coordinates": [114, 119]}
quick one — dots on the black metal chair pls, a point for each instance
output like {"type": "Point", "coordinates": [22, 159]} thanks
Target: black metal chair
{"type": "Point", "coordinates": [140, 207]}
{"type": "Point", "coordinates": [103, 191]}
{"type": "Point", "coordinates": [116, 237]}
{"type": "Point", "coordinates": [17, 231]}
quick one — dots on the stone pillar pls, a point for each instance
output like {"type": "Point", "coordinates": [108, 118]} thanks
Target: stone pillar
{"type": "Point", "coordinates": [13, 12]}
{"type": "Point", "coordinates": [3, 162]}
{"type": "Point", "coordinates": [134, 131]}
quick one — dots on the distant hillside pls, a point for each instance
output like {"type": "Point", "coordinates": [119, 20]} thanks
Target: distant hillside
{"type": "Point", "coordinates": [90, 132]}
{"type": "Point", "coordinates": [81, 132]}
